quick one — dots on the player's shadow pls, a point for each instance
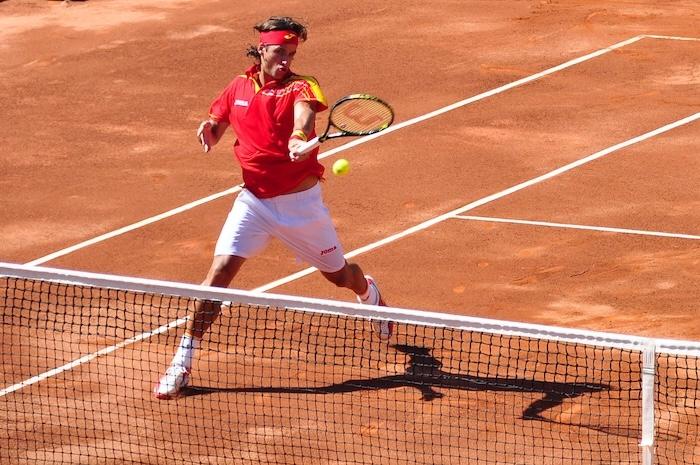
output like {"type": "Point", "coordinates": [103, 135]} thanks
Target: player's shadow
{"type": "Point", "coordinates": [424, 372]}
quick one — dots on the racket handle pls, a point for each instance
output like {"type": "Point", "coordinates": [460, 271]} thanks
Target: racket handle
{"type": "Point", "coordinates": [309, 145]}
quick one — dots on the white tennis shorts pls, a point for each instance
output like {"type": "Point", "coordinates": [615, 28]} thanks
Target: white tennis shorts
{"type": "Point", "coordinates": [300, 220]}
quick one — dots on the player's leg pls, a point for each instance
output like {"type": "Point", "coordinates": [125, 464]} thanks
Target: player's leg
{"type": "Point", "coordinates": [366, 290]}
{"type": "Point", "coordinates": [351, 277]}
{"type": "Point", "coordinates": [308, 230]}
{"type": "Point", "coordinates": [222, 271]}
{"type": "Point", "coordinates": [242, 236]}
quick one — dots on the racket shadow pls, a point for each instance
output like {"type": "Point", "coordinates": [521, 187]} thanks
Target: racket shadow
{"type": "Point", "coordinates": [424, 373]}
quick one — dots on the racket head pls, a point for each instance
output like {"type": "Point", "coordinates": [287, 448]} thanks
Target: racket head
{"type": "Point", "coordinates": [361, 115]}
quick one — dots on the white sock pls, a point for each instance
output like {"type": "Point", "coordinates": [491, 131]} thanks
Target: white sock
{"type": "Point", "coordinates": [370, 296]}
{"type": "Point", "coordinates": [185, 351]}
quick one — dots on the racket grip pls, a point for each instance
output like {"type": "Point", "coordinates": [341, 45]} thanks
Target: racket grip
{"type": "Point", "coordinates": [309, 145]}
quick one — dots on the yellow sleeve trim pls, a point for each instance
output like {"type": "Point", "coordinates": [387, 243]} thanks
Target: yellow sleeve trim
{"type": "Point", "coordinates": [315, 89]}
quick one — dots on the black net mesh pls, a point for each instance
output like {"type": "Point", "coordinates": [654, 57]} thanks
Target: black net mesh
{"type": "Point", "coordinates": [279, 386]}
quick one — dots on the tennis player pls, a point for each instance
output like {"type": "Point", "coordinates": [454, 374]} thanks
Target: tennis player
{"type": "Point", "coordinates": [272, 111]}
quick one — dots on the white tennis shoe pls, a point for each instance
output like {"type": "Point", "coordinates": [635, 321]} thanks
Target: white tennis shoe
{"type": "Point", "coordinates": [170, 386]}
{"type": "Point", "coordinates": [384, 328]}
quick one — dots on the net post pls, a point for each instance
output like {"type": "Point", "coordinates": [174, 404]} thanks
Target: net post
{"type": "Point", "coordinates": [648, 380]}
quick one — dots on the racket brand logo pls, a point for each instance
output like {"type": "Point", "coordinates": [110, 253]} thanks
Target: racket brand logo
{"type": "Point", "coordinates": [353, 110]}
{"type": "Point", "coordinates": [353, 115]}
{"type": "Point", "coordinates": [329, 250]}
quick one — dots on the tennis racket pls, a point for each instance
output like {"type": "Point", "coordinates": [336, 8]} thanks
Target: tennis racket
{"type": "Point", "coordinates": [353, 115]}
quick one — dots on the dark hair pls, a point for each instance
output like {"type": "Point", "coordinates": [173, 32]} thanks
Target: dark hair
{"type": "Point", "coordinates": [277, 23]}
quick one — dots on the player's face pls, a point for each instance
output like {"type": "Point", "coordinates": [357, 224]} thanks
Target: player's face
{"type": "Point", "coordinates": [275, 60]}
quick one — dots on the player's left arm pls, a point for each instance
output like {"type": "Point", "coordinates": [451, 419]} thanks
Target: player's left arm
{"type": "Point", "coordinates": [304, 121]}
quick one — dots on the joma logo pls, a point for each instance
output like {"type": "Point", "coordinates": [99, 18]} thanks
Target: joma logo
{"type": "Point", "coordinates": [327, 251]}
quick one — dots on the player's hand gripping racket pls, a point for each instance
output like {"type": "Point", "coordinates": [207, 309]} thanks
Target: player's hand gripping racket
{"type": "Point", "coordinates": [354, 115]}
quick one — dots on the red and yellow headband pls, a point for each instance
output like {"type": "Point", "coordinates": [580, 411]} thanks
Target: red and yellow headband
{"type": "Point", "coordinates": [278, 37]}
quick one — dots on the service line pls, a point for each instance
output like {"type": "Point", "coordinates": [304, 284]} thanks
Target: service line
{"type": "Point", "coordinates": [652, 36]}
{"type": "Point", "coordinates": [578, 226]}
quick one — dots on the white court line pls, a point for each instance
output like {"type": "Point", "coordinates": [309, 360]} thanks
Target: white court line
{"type": "Point", "coordinates": [131, 227]}
{"type": "Point", "coordinates": [341, 148]}
{"type": "Point", "coordinates": [92, 356]}
{"type": "Point", "coordinates": [652, 36]}
{"type": "Point", "coordinates": [577, 226]}
{"type": "Point", "coordinates": [393, 238]}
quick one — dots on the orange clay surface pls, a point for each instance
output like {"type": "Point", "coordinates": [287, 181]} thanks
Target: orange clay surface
{"type": "Point", "coordinates": [100, 101]}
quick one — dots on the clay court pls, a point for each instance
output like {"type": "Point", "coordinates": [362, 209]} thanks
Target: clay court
{"type": "Point", "coordinates": [543, 166]}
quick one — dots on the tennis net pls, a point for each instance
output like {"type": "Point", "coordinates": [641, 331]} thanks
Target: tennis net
{"type": "Point", "coordinates": [287, 380]}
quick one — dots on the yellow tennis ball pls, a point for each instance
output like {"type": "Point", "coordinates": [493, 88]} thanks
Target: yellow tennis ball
{"type": "Point", "coordinates": [341, 167]}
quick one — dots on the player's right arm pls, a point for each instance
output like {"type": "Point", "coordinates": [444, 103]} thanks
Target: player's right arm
{"type": "Point", "coordinates": [211, 130]}
{"type": "Point", "coordinates": [209, 133]}
{"type": "Point", "coordinates": [304, 119]}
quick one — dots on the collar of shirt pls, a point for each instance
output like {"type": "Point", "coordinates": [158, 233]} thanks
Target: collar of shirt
{"type": "Point", "coordinates": [253, 73]}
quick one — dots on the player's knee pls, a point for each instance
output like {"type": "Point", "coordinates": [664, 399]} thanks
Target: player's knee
{"type": "Point", "coordinates": [222, 271]}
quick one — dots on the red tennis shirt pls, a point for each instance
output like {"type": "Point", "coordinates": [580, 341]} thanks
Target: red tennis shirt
{"type": "Point", "coordinates": [263, 119]}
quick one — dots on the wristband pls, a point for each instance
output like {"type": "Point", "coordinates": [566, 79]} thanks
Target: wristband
{"type": "Point", "coordinates": [299, 134]}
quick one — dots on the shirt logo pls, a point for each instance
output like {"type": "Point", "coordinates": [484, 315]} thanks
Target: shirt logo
{"type": "Point", "coordinates": [327, 251]}
{"type": "Point", "coordinates": [240, 103]}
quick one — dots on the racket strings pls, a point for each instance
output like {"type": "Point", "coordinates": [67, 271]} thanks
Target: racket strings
{"type": "Point", "coordinates": [361, 116]}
